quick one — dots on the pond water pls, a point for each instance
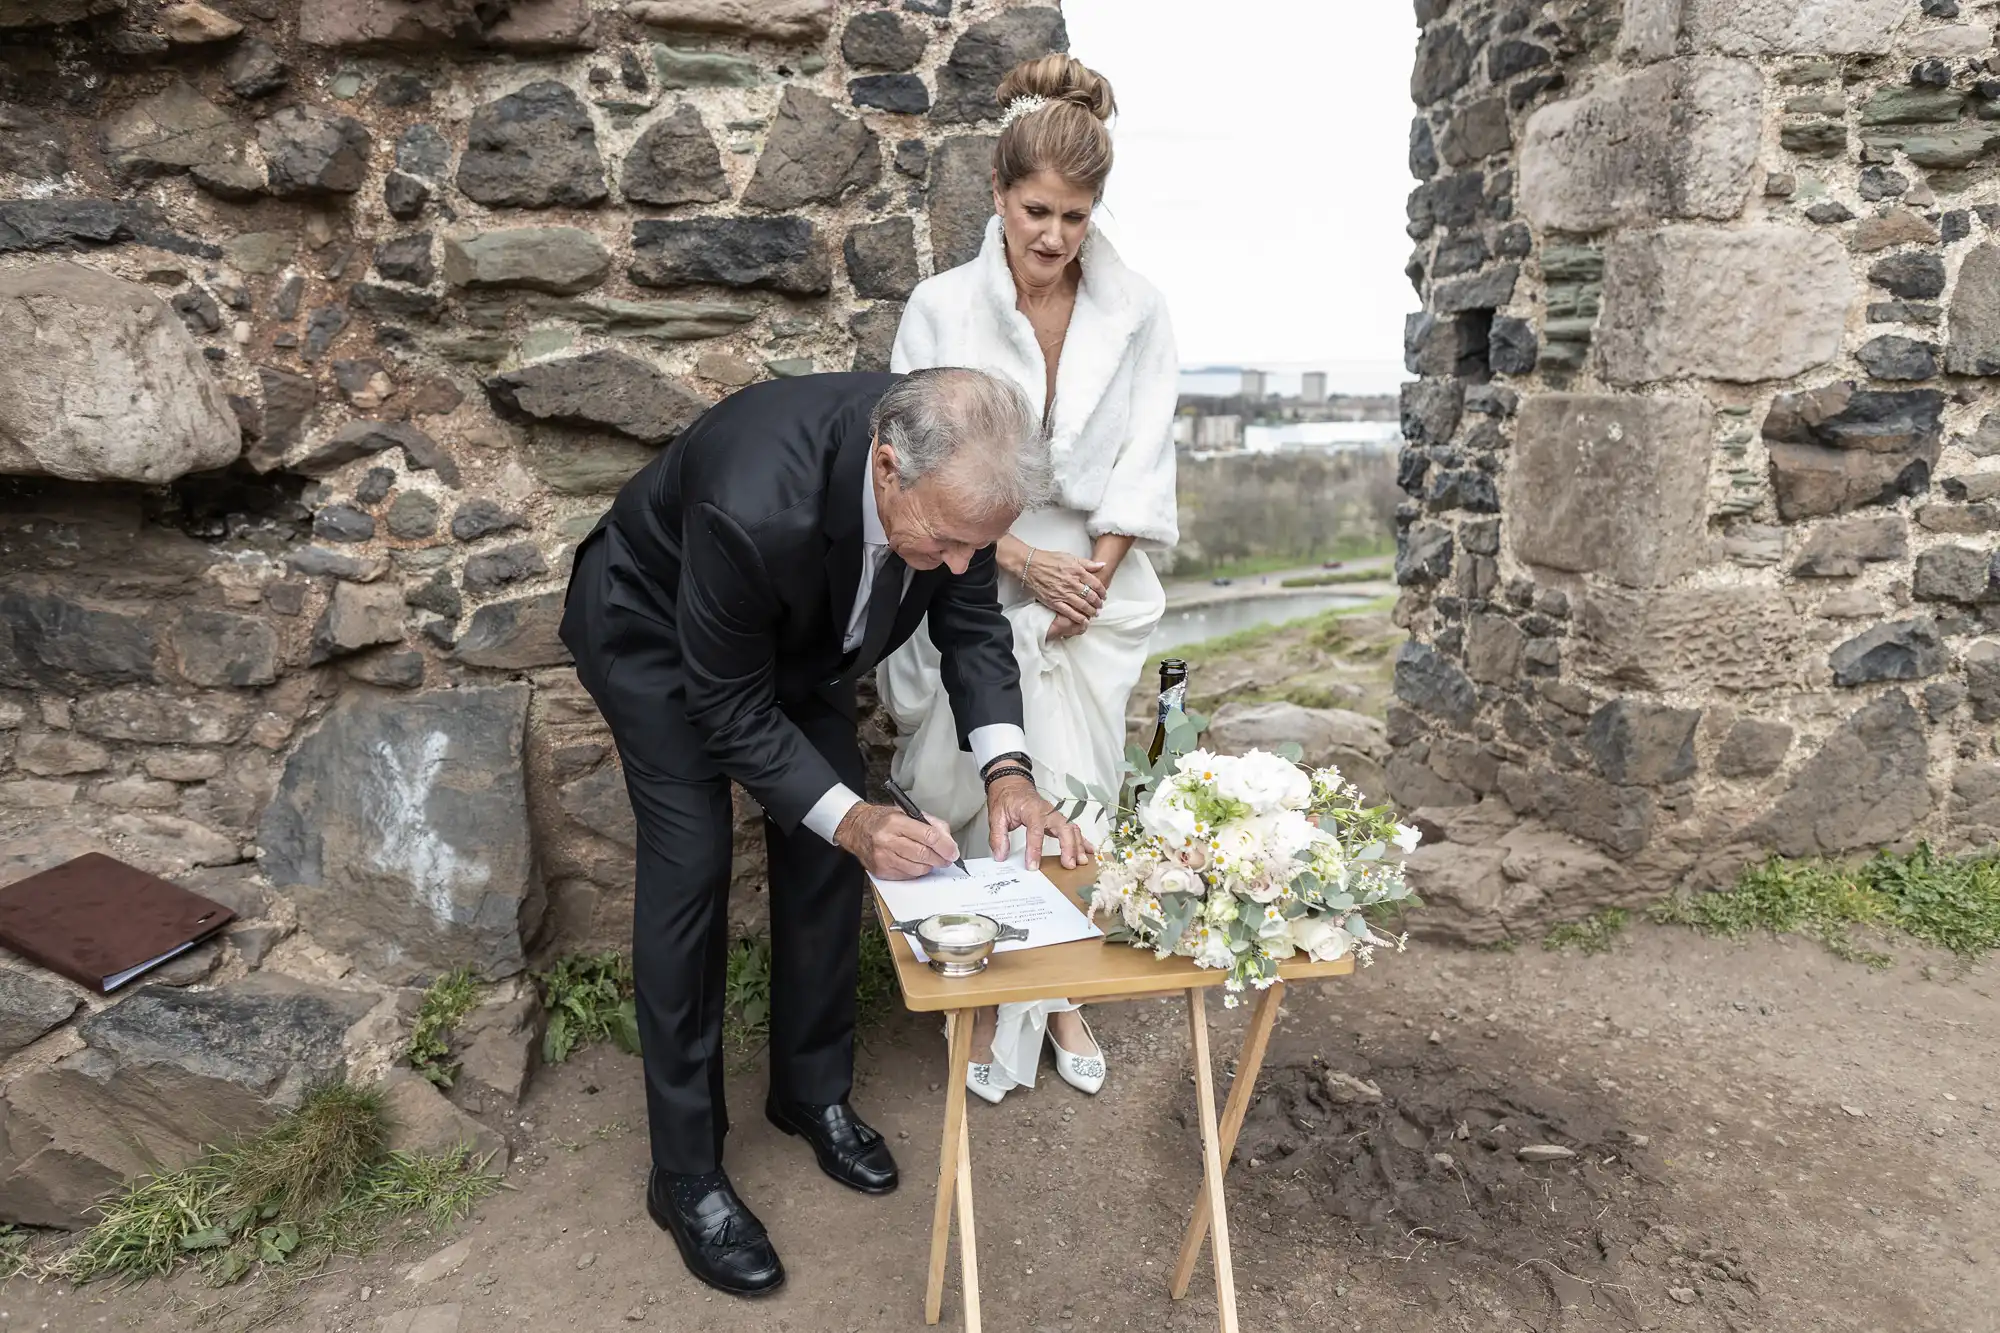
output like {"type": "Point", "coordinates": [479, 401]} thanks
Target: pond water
{"type": "Point", "coordinates": [1194, 624]}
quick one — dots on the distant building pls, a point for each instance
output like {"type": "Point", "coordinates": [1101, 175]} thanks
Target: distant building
{"type": "Point", "coordinates": [1219, 432]}
{"type": "Point", "coordinates": [1184, 431]}
{"type": "Point", "coordinates": [1253, 385]}
{"type": "Point", "coordinates": [1312, 388]}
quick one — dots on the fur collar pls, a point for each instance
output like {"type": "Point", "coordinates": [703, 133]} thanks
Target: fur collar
{"type": "Point", "coordinates": [1111, 304]}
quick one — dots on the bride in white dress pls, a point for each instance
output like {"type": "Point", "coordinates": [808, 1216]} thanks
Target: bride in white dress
{"type": "Point", "coordinates": [1048, 302]}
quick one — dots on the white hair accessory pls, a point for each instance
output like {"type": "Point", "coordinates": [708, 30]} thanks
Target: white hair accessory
{"type": "Point", "coordinates": [1020, 107]}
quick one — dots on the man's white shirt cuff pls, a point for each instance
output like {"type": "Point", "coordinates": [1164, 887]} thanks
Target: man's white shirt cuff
{"type": "Point", "coordinates": [830, 809]}
{"type": "Point", "coordinates": [990, 742]}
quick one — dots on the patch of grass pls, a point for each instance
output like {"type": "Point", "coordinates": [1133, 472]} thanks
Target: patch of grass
{"type": "Point", "coordinates": [1348, 548]}
{"type": "Point", "coordinates": [747, 988]}
{"type": "Point", "coordinates": [1951, 903]}
{"type": "Point", "coordinates": [1593, 934]}
{"type": "Point", "coordinates": [589, 999]}
{"type": "Point", "coordinates": [1334, 577]}
{"type": "Point", "coordinates": [445, 1004]}
{"type": "Point", "coordinates": [314, 1184]}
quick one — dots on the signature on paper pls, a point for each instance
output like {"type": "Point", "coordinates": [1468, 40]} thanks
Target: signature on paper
{"type": "Point", "coordinates": [999, 884]}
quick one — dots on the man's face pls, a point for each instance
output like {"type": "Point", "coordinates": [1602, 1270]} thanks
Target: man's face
{"type": "Point", "coordinates": [927, 525]}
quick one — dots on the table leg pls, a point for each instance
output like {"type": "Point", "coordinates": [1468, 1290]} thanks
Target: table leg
{"type": "Point", "coordinates": [1211, 1161]}
{"type": "Point", "coordinates": [968, 1246]}
{"type": "Point", "coordinates": [1255, 1042]}
{"type": "Point", "coordinates": [959, 1024]}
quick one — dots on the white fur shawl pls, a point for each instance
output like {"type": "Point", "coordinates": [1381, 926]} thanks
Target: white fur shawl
{"type": "Point", "coordinates": [1111, 430]}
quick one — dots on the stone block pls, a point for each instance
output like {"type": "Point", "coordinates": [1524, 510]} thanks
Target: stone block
{"type": "Point", "coordinates": [1866, 786]}
{"type": "Point", "coordinates": [218, 649]}
{"type": "Point", "coordinates": [53, 642]}
{"type": "Point", "coordinates": [1617, 818]}
{"type": "Point", "coordinates": [32, 1004]}
{"type": "Point", "coordinates": [1431, 683]}
{"type": "Point", "coordinates": [882, 259]}
{"type": "Point", "coordinates": [1423, 554]}
{"type": "Point", "coordinates": [105, 383]}
{"type": "Point", "coordinates": [605, 389]}
{"type": "Point", "coordinates": [674, 162]}
{"type": "Point", "coordinates": [1494, 646]}
{"type": "Point", "coordinates": [533, 148]}
{"type": "Point", "coordinates": [1904, 650]}
{"type": "Point", "coordinates": [401, 829]}
{"type": "Point", "coordinates": [1463, 890]}
{"type": "Point", "coordinates": [1431, 409]}
{"type": "Point", "coordinates": [881, 40]}
{"type": "Point", "coordinates": [1687, 640]}
{"type": "Point", "coordinates": [159, 1077]}
{"type": "Point", "coordinates": [1839, 448]}
{"type": "Point", "coordinates": [1963, 574]}
{"type": "Point", "coordinates": [783, 254]}
{"type": "Point", "coordinates": [1414, 785]}
{"type": "Point", "coordinates": [1637, 743]}
{"type": "Point", "coordinates": [1354, 743]}
{"type": "Point", "coordinates": [771, 20]}
{"type": "Point", "coordinates": [1676, 140]}
{"type": "Point", "coordinates": [417, 25]}
{"type": "Point", "coordinates": [357, 616]}
{"type": "Point", "coordinates": [1753, 749]}
{"type": "Point", "coordinates": [1973, 343]}
{"type": "Point", "coordinates": [1612, 485]}
{"type": "Point", "coordinates": [970, 76]}
{"type": "Point", "coordinates": [1982, 681]}
{"type": "Point", "coordinates": [874, 331]}
{"type": "Point", "coordinates": [1788, 27]}
{"type": "Point", "coordinates": [598, 801]}
{"type": "Point", "coordinates": [1840, 548]}
{"type": "Point", "coordinates": [421, 1120]}
{"type": "Point", "coordinates": [310, 153]}
{"type": "Point", "coordinates": [170, 133]}
{"type": "Point", "coordinates": [960, 198]}
{"type": "Point", "coordinates": [813, 155]}
{"type": "Point", "coordinates": [500, 1041]}
{"type": "Point", "coordinates": [1762, 302]}
{"type": "Point", "coordinates": [157, 717]}
{"type": "Point", "coordinates": [704, 69]}
{"type": "Point", "coordinates": [515, 635]}
{"type": "Point", "coordinates": [559, 260]}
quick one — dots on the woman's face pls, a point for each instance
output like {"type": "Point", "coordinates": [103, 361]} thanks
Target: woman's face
{"type": "Point", "coordinates": [1045, 219]}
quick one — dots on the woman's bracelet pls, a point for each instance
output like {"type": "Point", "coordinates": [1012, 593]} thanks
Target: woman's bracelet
{"type": "Point", "coordinates": [1027, 564]}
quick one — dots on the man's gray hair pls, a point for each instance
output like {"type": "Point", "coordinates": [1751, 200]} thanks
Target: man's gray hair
{"type": "Point", "coordinates": [973, 432]}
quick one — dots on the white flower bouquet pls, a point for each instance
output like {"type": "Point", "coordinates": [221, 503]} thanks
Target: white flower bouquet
{"type": "Point", "coordinates": [1243, 861]}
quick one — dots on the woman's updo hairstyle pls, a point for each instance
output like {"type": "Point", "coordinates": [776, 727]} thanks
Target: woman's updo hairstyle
{"type": "Point", "coordinates": [1066, 135]}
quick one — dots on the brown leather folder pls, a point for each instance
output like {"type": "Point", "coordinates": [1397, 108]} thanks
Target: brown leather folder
{"type": "Point", "coordinates": [102, 923]}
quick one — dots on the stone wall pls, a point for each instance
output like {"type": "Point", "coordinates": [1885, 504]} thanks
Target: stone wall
{"type": "Point", "coordinates": [330, 326]}
{"type": "Point", "coordinates": [1699, 550]}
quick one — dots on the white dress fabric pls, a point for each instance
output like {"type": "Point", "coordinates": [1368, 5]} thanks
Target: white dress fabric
{"type": "Point", "coordinates": [1111, 438]}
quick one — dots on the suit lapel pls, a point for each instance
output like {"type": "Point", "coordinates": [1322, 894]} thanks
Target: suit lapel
{"type": "Point", "coordinates": [843, 529]}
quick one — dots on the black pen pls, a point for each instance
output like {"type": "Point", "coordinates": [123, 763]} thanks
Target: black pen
{"type": "Point", "coordinates": [902, 798]}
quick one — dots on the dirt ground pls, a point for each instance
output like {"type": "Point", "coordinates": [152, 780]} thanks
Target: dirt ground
{"type": "Point", "coordinates": [1765, 1139]}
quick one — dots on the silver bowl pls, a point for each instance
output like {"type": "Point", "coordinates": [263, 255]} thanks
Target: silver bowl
{"type": "Point", "coordinates": [958, 944]}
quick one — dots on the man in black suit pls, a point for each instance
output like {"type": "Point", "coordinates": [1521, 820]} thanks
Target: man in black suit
{"type": "Point", "coordinates": [784, 544]}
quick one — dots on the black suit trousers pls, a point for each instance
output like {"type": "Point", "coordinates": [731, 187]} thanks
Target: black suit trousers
{"type": "Point", "coordinates": [680, 909]}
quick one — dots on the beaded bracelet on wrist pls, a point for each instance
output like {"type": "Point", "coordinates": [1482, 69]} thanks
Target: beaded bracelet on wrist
{"type": "Point", "coordinates": [1008, 771]}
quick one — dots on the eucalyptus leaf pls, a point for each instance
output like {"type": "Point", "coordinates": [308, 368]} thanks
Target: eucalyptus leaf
{"type": "Point", "coordinates": [1291, 750]}
{"type": "Point", "coordinates": [1075, 786]}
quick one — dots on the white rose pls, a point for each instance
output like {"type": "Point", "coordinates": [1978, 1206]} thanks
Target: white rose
{"type": "Point", "coordinates": [1167, 817]}
{"type": "Point", "coordinates": [1167, 879]}
{"type": "Point", "coordinates": [1241, 842]}
{"type": "Point", "coordinates": [1288, 835]}
{"type": "Point", "coordinates": [1320, 938]}
{"type": "Point", "coordinates": [1266, 783]}
{"type": "Point", "coordinates": [1264, 888]}
{"type": "Point", "coordinates": [1211, 949]}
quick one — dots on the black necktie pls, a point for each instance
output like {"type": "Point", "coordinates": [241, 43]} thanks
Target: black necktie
{"type": "Point", "coordinates": [884, 598]}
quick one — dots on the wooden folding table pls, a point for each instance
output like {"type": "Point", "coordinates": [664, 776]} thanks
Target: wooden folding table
{"type": "Point", "coordinates": [1098, 972]}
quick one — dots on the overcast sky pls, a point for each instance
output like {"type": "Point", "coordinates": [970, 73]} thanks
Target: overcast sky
{"type": "Point", "coordinates": [1261, 172]}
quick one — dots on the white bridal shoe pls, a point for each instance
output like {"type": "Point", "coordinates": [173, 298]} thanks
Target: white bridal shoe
{"type": "Point", "coordinates": [983, 1082]}
{"type": "Point", "coordinates": [1085, 1073]}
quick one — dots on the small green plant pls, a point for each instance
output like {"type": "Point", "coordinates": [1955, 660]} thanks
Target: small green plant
{"type": "Point", "coordinates": [589, 999]}
{"type": "Point", "coordinates": [1593, 934]}
{"type": "Point", "coordinates": [1951, 903]}
{"type": "Point", "coordinates": [446, 1002]}
{"type": "Point", "coordinates": [746, 993]}
{"type": "Point", "coordinates": [317, 1182]}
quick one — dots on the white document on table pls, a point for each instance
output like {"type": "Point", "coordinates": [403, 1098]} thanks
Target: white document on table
{"type": "Point", "coordinates": [1007, 891]}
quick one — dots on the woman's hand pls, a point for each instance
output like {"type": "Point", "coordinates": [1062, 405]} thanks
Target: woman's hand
{"type": "Point", "coordinates": [1065, 584]}
{"type": "Point", "coordinates": [1062, 627]}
